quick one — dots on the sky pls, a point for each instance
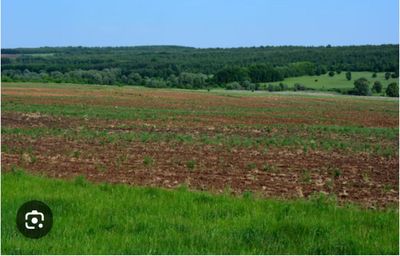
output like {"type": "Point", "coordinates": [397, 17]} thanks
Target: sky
{"type": "Point", "coordinates": [198, 23]}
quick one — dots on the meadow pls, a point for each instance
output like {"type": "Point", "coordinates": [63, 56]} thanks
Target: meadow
{"type": "Point", "coordinates": [118, 219]}
{"type": "Point", "coordinates": [338, 81]}
{"type": "Point", "coordinates": [138, 170]}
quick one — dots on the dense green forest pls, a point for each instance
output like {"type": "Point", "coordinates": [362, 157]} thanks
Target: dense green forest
{"type": "Point", "coordinates": [186, 67]}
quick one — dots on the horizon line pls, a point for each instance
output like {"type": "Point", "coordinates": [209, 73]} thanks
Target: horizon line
{"type": "Point", "coordinates": [194, 47]}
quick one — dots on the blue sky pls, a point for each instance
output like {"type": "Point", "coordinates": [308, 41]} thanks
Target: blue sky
{"type": "Point", "coordinates": [198, 23]}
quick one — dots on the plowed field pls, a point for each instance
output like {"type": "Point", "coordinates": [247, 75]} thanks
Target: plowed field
{"type": "Point", "coordinates": [279, 146]}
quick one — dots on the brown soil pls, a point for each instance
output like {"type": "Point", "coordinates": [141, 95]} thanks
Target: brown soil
{"type": "Point", "coordinates": [362, 178]}
{"type": "Point", "coordinates": [365, 179]}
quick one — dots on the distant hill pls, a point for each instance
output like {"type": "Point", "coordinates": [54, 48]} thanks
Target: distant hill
{"type": "Point", "coordinates": [163, 64]}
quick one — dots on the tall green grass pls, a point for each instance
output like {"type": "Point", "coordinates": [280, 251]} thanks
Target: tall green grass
{"type": "Point", "coordinates": [117, 219]}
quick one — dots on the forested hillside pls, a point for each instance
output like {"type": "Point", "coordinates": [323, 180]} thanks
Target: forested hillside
{"type": "Point", "coordinates": [186, 67]}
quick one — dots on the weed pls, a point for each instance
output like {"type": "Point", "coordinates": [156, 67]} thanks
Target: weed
{"type": "Point", "coordinates": [336, 173]}
{"type": "Point", "coordinates": [148, 161]}
{"type": "Point", "coordinates": [191, 164]}
{"type": "Point", "coordinates": [387, 188]}
{"type": "Point", "coordinates": [268, 167]}
{"type": "Point", "coordinates": [306, 176]}
{"type": "Point", "coordinates": [101, 167]}
{"type": "Point", "coordinates": [76, 153]}
{"type": "Point", "coordinates": [365, 176]}
{"type": "Point", "coordinates": [251, 166]}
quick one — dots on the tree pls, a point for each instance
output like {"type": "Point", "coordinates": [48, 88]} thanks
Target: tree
{"type": "Point", "coordinates": [331, 73]}
{"type": "Point", "coordinates": [392, 90]}
{"type": "Point", "coordinates": [387, 75]}
{"type": "Point", "coordinates": [361, 87]}
{"type": "Point", "coordinates": [231, 74]}
{"type": "Point", "coordinates": [377, 87]}
{"type": "Point", "coordinates": [233, 86]}
{"type": "Point", "coordinates": [348, 75]}
{"type": "Point", "coordinates": [299, 87]}
{"type": "Point", "coordinates": [247, 85]}
{"type": "Point", "coordinates": [264, 73]}
{"type": "Point", "coordinates": [134, 78]}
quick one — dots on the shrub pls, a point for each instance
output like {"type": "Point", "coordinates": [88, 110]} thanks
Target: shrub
{"type": "Point", "coordinates": [377, 87]}
{"type": "Point", "coordinates": [283, 86]}
{"type": "Point", "coordinates": [361, 87]}
{"type": "Point", "coordinates": [387, 75]}
{"type": "Point", "coordinates": [233, 86]}
{"type": "Point", "coordinates": [392, 90]}
{"type": "Point", "coordinates": [299, 87]}
{"type": "Point", "coordinates": [277, 88]}
{"type": "Point", "coordinates": [331, 73]}
{"type": "Point", "coordinates": [348, 76]}
{"type": "Point", "coordinates": [247, 85]}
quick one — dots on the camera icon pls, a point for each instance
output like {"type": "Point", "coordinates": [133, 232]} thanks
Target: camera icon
{"type": "Point", "coordinates": [34, 219]}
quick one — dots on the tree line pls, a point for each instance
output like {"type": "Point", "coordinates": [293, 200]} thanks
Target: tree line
{"type": "Point", "coordinates": [186, 67]}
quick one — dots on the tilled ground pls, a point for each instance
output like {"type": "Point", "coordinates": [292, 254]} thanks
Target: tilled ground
{"type": "Point", "coordinates": [363, 178]}
{"type": "Point", "coordinates": [284, 172]}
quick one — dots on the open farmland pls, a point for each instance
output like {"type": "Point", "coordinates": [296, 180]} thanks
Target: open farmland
{"type": "Point", "coordinates": [271, 145]}
{"type": "Point", "coordinates": [278, 173]}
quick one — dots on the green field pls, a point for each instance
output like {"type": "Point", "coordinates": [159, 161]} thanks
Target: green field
{"type": "Point", "coordinates": [117, 219]}
{"type": "Point", "coordinates": [338, 81]}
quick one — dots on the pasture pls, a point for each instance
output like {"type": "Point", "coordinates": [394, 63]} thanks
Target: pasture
{"type": "Point", "coordinates": [338, 81]}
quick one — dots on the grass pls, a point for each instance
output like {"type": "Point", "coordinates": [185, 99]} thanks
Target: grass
{"type": "Point", "coordinates": [117, 219]}
{"type": "Point", "coordinates": [339, 81]}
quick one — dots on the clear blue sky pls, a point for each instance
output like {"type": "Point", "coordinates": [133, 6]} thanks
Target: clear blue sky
{"type": "Point", "coordinates": [198, 23]}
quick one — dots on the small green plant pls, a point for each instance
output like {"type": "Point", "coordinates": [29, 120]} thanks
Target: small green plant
{"type": "Point", "coordinates": [76, 153]}
{"type": "Point", "coordinates": [306, 176]}
{"type": "Point", "coordinates": [336, 173]}
{"type": "Point", "coordinates": [148, 161]}
{"type": "Point", "coordinates": [33, 159]}
{"type": "Point", "coordinates": [5, 148]}
{"type": "Point", "coordinates": [268, 167]}
{"type": "Point", "coordinates": [191, 164]}
{"type": "Point", "coordinates": [251, 166]}
{"type": "Point", "coordinates": [365, 177]}
{"type": "Point", "coordinates": [120, 160]}
{"type": "Point", "coordinates": [101, 167]}
{"type": "Point", "coordinates": [28, 158]}
{"type": "Point", "coordinates": [387, 188]}
{"type": "Point", "coordinates": [330, 184]}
